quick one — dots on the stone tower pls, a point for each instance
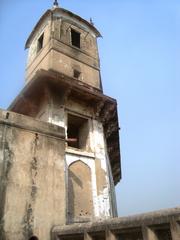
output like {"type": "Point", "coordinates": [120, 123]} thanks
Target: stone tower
{"type": "Point", "coordinates": [59, 152]}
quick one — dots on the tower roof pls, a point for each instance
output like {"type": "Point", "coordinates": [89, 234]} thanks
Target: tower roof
{"type": "Point", "coordinates": [62, 11]}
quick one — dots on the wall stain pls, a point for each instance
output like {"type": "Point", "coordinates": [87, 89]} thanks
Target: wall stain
{"type": "Point", "coordinates": [28, 219]}
{"type": "Point", "coordinates": [7, 165]}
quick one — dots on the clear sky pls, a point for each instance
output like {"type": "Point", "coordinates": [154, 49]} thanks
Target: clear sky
{"type": "Point", "coordinates": [140, 66]}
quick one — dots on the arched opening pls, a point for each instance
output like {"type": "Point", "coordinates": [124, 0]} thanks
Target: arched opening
{"type": "Point", "coordinates": [80, 201]}
{"type": "Point", "coordinates": [33, 238]}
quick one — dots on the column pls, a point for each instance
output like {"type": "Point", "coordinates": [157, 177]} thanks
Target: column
{"type": "Point", "coordinates": [148, 234]}
{"type": "Point", "coordinates": [175, 229]}
{"type": "Point", "coordinates": [87, 236]}
{"type": "Point", "coordinates": [110, 235]}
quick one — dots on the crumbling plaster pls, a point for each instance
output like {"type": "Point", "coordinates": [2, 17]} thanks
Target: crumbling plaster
{"type": "Point", "coordinates": [31, 154]}
{"type": "Point", "coordinates": [101, 175]}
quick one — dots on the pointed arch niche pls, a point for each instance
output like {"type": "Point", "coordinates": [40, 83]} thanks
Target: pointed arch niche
{"type": "Point", "coordinates": [80, 202]}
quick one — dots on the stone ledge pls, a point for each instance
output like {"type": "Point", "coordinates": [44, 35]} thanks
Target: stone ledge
{"type": "Point", "coordinates": [13, 119]}
{"type": "Point", "coordinates": [115, 224]}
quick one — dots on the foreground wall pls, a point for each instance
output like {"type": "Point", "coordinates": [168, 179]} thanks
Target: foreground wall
{"type": "Point", "coordinates": [32, 181]}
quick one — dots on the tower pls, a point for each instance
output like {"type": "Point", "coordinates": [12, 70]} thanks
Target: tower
{"type": "Point", "coordinates": [70, 162]}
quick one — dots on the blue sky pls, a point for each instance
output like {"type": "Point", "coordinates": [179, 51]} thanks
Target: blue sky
{"type": "Point", "coordinates": [140, 62]}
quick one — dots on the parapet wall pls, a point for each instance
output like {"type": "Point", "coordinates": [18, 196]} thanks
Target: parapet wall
{"type": "Point", "coordinates": [23, 122]}
{"type": "Point", "coordinates": [161, 225]}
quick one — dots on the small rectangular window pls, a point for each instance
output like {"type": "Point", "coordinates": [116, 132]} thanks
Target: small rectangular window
{"type": "Point", "coordinates": [40, 43]}
{"type": "Point", "coordinates": [75, 38]}
{"type": "Point", "coordinates": [77, 132]}
{"type": "Point", "coordinates": [76, 74]}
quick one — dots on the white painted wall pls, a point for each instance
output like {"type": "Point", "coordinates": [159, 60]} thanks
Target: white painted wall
{"type": "Point", "coordinates": [102, 202]}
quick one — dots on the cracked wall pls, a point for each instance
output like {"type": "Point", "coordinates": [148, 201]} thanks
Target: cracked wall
{"type": "Point", "coordinates": [32, 189]}
{"type": "Point", "coordinates": [93, 155]}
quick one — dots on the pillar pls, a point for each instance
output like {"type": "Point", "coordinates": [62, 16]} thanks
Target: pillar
{"type": "Point", "coordinates": [148, 234]}
{"type": "Point", "coordinates": [87, 236]}
{"type": "Point", "coordinates": [110, 235]}
{"type": "Point", "coordinates": [175, 230]}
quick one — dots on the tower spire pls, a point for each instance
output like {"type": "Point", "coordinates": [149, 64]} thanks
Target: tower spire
{"type": "Point", "coordinates": [91, 21]}
{"type": "Point", "coordinates": [55, 4]}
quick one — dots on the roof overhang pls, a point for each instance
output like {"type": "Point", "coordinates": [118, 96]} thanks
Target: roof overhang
{"type": "Point", "coordinates": [29, 98]}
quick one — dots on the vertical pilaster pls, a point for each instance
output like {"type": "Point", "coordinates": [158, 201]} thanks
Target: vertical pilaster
{"type": "Point", "coordinates": [175, 230]}
{"type": "Point", "coordinates": [149, 234]}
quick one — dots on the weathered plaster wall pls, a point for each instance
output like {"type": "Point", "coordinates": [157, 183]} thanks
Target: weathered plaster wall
{"type": "Point", "coordinates": [79, 107]}
{"type": "Point", "coordinates": [32, 180]}
{"type": "Point", "coordinates": [52, 59]}
{"type": "Point", "coordinates": [94, 155]}
{"type": "Point", "coordinates": [62, 63]}
{"type": "Point", "coordinates": [80, 202]}
{"type": "Point", "coordinates": [40, 61]}
{"type": "Point", "coordinates": [103, 172]}
{"type": "Point", "coordinates": [44, 28]}
{"type": "Point", "coordinates": [88, 39]}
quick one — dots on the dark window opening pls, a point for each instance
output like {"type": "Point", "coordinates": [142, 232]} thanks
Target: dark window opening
{"type": "Point", "coordinates": [40, 43]}
{"type": "Point", "coordinates": [75, 38]}
{"type": "Point", "coordinates": [133, 235]}
{"type": "Point", "coordinates": [72, 237]}
{"type": "Point", "coordinates": [163, 234]}
{"type": "Point", "coordinates": [76, 74]}
{"type": "Point", "coordinates": [33, 238]}
{"type": "Point", "coordinates": [77, 132]}
{"type": "Point", "coordinates": [98, 236]}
